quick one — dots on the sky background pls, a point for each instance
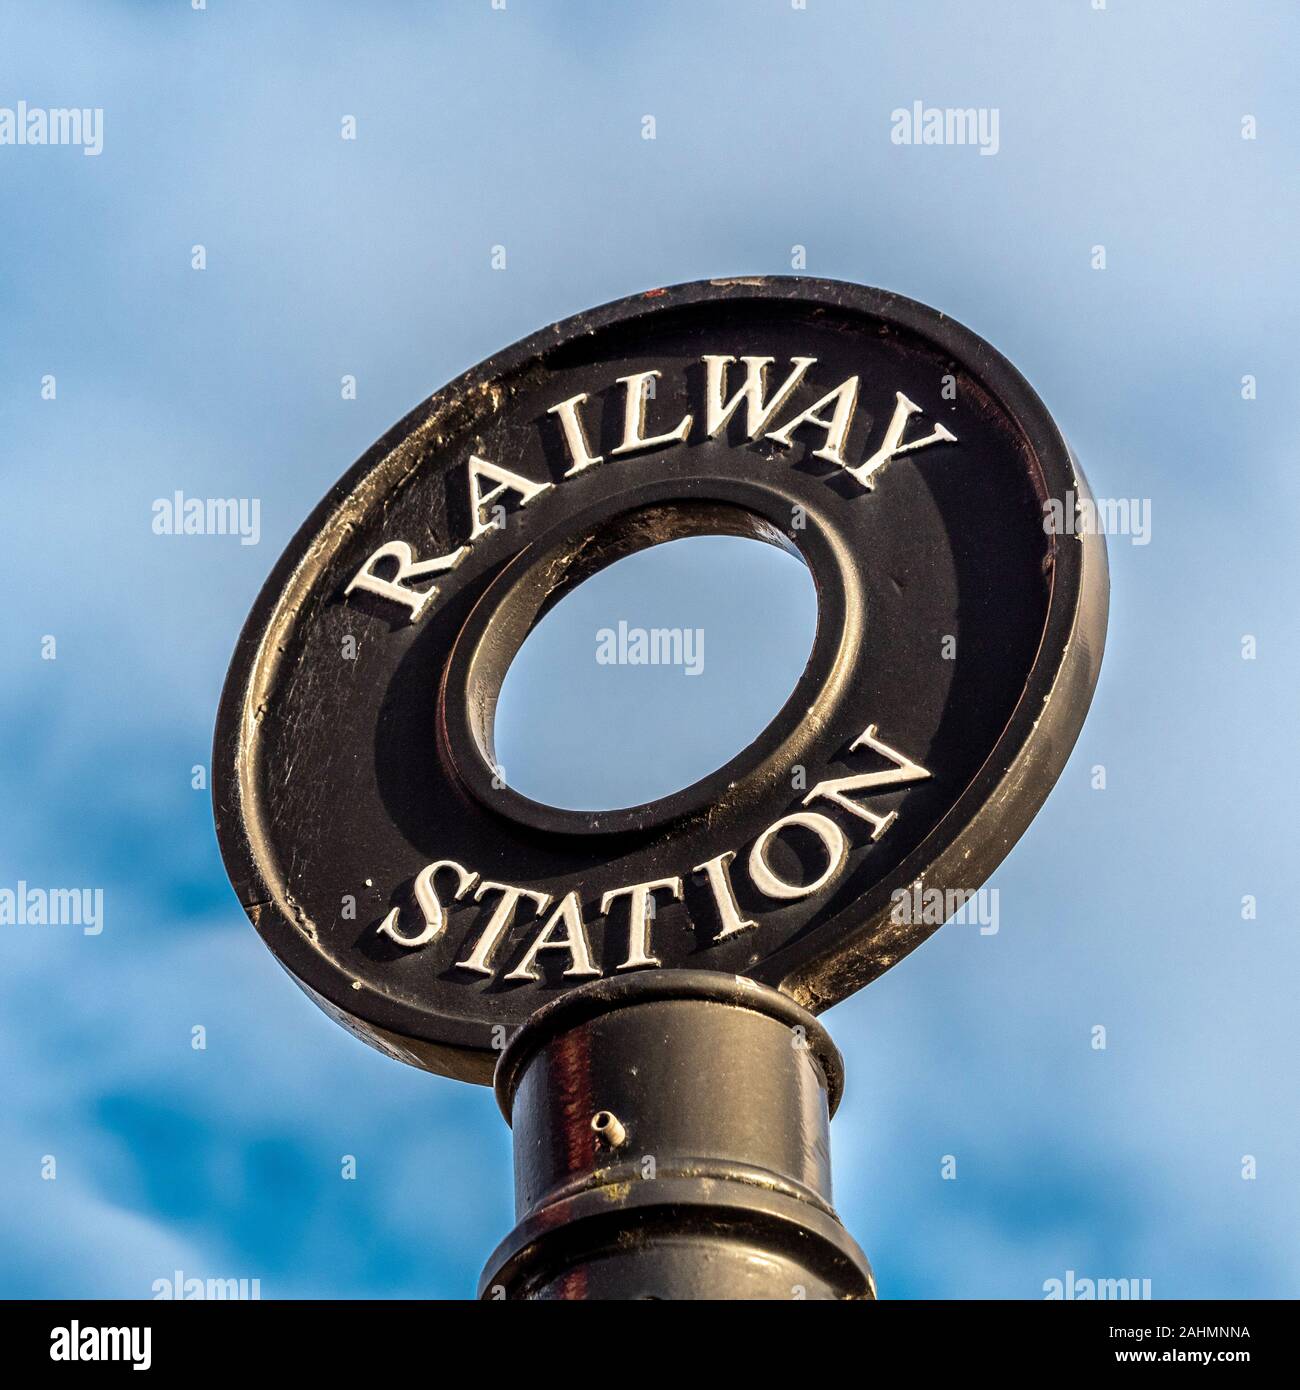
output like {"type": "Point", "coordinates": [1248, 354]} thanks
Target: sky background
{"type": "Point", "coordinates": [522, 128]}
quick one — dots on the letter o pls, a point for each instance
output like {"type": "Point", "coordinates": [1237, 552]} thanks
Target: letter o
{"type": "Point", "coordinates": [831, 836]}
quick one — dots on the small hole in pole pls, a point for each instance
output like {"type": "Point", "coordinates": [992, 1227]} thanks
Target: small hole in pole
{"type": "Point", "coordinates": [608, 1128]}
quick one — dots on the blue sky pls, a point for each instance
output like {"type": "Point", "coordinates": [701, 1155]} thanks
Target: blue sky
{"type": "Point", "coordinates": [1119, 127]}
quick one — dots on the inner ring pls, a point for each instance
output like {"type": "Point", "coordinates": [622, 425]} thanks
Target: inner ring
{"type": "Point", "coordinates": [530, 585]}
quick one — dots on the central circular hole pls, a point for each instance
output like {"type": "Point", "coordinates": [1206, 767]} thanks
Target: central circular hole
{"type": "Point", "coordinates": [654, 672]}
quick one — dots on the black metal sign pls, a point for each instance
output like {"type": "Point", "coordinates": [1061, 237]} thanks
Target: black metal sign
{"type": "Point", "coordinates": [432, 909]}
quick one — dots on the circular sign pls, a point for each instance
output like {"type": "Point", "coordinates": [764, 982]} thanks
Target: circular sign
{"type": "Point", "coordinates": [431, 908]}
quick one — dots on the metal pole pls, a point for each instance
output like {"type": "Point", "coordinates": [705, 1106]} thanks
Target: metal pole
{"type": "Point", "coordinates": [672, 1141]}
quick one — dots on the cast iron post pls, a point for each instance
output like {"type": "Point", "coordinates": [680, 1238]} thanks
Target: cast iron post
{"type": "Point", "coordinates": [672, 1141]}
